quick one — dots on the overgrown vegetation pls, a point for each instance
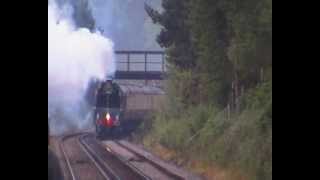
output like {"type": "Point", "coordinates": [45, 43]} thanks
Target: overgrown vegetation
{"type": "Point", "coordinates": [219, 91]}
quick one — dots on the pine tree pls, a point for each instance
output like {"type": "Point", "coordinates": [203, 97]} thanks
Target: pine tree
{"type": "Point", "coordinates": [175, 33]}
{"type": "Point", "coordinates": [210, 34]}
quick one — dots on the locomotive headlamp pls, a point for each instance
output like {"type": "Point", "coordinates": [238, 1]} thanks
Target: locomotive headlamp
{"type": "Point", "coordinates": [109, 122]}
{"type": "Point", "coordinates": [108, 116]}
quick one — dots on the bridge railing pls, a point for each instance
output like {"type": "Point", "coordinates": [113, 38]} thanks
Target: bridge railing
{"type": "Point", "coordinates": [140, 61]}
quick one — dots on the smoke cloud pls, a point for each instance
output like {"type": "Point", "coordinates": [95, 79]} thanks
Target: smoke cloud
{"type": "Point", "coordinates": [75, 55]}
{"type": "Point", "coordinates": [127, 23]}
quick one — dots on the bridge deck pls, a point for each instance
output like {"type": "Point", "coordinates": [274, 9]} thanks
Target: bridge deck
{"type": "Point", "coordinates": [148, 65]}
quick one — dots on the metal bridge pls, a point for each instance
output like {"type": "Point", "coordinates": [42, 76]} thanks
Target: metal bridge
{"type": "Point", "coordinates": [140, 65]}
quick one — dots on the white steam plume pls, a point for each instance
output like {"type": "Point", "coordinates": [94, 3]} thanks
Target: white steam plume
{"type": "Point", "coordinates": [74, 57]}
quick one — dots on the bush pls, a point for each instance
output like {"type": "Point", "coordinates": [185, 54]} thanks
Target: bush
{"type": "Point", "coordinates": [175, 132]}
{"type": "Point", "coordinates": [204, 132]}
{"type": "Point", "coordinates": [242, 144]}
{"type": "Point", "coordinates": [258, 97]}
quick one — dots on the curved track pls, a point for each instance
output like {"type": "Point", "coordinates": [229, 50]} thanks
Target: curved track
{"type": "Point", "coordinates": [102, 165]}
{"type": "Point", "coordinates": [117, 167]}
{"type": "Point", "coordinates": [66, 157]}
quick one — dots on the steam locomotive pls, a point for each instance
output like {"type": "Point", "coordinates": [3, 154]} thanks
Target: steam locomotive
{"type": "Point", "coordinates": [127, 104]}
{"type": "Point", "coordinates": [107, 110]}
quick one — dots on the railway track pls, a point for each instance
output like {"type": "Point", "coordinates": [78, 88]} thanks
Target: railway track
{"type": "Point", "coordinates": [164, 171]}
{"type": "Point", "coordinates": [103, 168]}
{"type": "Point", "coordinates": [119, 168]}
{"type": "Point", "coordinates": [103, 164]}
{"type": "Point", "coordinates": [87, 158]}
{"type": "Point", "coordinates": [71, 173]}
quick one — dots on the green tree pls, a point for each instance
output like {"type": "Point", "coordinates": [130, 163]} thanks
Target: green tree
{"type": "Point", "coordinates": [182, 86]}
{"type": "Point", "coordinates": [251, 47]}
{"type": "Point", "coordinates": [175, 33]}
{"type": "Point", "coordinates": [82, 14]}
{"type": "Point", "coordinates": [210, 34]}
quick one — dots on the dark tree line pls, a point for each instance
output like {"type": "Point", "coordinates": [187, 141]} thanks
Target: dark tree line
{"type": "Point", "coordinates": [216, 48]}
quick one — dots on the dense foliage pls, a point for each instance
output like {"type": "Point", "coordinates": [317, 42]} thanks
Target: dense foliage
{"type": "Point", "coordinates": [220, 73]}
{"type": "Point", "coordinates": [227, 45]}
